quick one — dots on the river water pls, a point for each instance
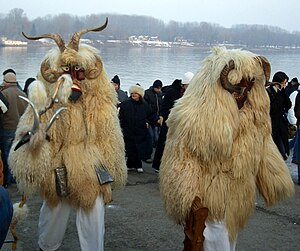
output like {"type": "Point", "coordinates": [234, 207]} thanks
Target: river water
{"type": "Point", "coordinates": [140, 65]}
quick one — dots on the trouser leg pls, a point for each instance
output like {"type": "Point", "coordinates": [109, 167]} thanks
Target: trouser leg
{"type": "Point", "coordinates": [7, 138]}
{"type": "Point", "coordinates": [160, 147]}
{"type": "Point", "coordinates": [295, 150]}
{"type": "Point", "coordinates": [216, 237]}
{"type": "Point", "coordinates": [90, 227]}
{"type": "Point", "coordinates": [146, 148]}
{"type": "Point", "coordinates": [52, 225]}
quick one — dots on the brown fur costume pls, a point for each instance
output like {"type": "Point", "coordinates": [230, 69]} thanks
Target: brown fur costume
{"type": "Point", "coordinates": [85, 135]}
{"type": "Point", "coordinates": [221, 153]}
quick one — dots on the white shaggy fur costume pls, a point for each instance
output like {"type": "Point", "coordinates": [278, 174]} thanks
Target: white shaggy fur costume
{"type": "Point", "coordinates": [221, 153]}
{"type": "Point", "coordinates": [87, 134]}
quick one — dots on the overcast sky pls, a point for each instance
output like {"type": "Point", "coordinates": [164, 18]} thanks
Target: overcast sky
{"type": "Point", "coordinates": [281, 13]}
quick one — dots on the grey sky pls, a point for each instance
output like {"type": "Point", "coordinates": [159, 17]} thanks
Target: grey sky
{"type": "Point", "coordinates": [284, 14]}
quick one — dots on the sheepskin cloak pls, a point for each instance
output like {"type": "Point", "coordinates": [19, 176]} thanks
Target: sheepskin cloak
{"type": "Point", "coordinates": [87, 134]}
{"type": "Point", "coordinates": [218, 152]}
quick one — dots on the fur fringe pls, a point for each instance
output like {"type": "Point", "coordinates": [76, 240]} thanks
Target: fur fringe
{"type": "Point", "coordinates": [220, 153]}
{"type": "Point", "coordinates": [87, 134]}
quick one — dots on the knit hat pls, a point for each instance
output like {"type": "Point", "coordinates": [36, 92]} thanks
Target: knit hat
{"type": "Point", "coordinates": [9, 70]}
{"type": "Point", "coordinates": [295, 80]}
{"type": "Point", "coordinates": [137, 89]}
{"type": "Point", "coordinates": [27, 83]}
{"type": "Point", "coordinates": [116, 80]}
{"type": "Point", "coordinates": [10, 78]}
{"type": "Point", "coordinates": [187, 77]}
{"type": "Point", "coordinates": [157, 84]}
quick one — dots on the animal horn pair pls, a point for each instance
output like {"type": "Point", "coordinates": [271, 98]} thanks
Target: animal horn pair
{"type": "Point", "coordinates": [37, 115]}
{"type": "Point", "coordinates": [74, 42]}
{"type": "Point", "coordinates": [36, 123]}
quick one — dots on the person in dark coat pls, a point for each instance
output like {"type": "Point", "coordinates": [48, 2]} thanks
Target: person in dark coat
{"type": "Point", "coordinates": [153, 96]}
{"type": "Point", "coordinates": [297, 115]}
{"type": "Point", "coordinates": [135, 115]}
{"type": "Point", "coordinates": [27, 83]}
{"type": "Point", "coordinates": [279, 106]}
{"type": "Point", "coordinates": [174, 92]}
{"type": "Point", "coordinates": [6, 214]}
{"type": "Point", "coordinates": [122, 96]}
{"type": "Point", "coordinates": [9, 120]}
{"type": "Point", "coordinates": [292, 86]}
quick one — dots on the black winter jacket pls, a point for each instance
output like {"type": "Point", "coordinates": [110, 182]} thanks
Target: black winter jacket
{"type": "Point", "coordinates": [154, 99]}
{"type": "Point", "coordinates": [279, 106]}
{"type": "Point", "coordinates": [134, 116]}
{"type": "Point", "coordinates": [173, 93]}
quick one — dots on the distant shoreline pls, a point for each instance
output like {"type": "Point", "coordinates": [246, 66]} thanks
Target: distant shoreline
{"type": "Point", "coordinates": [172, 45]}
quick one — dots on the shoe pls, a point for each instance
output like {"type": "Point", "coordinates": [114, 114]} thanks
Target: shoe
{"type": "Point", "coordinates": [140, 170]}
{"type": "Point", "coordinates": [149, 161]}
{"type": "Point", "coordinates": [156, 171]}
{"type": "Point", "coordinates": [294, 161]}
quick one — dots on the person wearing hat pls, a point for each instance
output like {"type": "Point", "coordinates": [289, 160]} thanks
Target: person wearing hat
{"type": "Point", "coordinates": [135, 115]}
{"type": "Point", "coordinates": [27, 83]}
{"type": "Point", "coordinates": [10, 119]}
{"type": "Point", "coordinates": [10, 71]}
{"type": "Point", "coordinates": [292, 86]}
{"type": "Point", "coordinates": [279, 106]}
{"type": "Point", "coordinates": [153, 96]}
{"type": "Point", "coordinates": [174, 92]}
{"type": "Point", "coordinates": [122, 96]}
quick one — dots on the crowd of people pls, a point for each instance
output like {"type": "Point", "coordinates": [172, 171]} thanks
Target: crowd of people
{"type": "Point", "coordinates": [143, 117]}
{"type": "Point", "coordinates": [148, 130]}
{"type": "Point", "coordinates": [142, 114]}
{"type": "Point", "coordinates": [285, 115]}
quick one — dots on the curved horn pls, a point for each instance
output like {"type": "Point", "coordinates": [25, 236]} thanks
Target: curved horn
{"type": "Point", "coordinates": [74, 42]}
{"type": "Point", "coordinates": [56, 37]}
{"type": "Point", "coordinates": [266, 67]}
{"type": "Point", "coordinates": [55, 117]}
{"type": "Point", "coordinates": [225, 82]}
{"type": "Point", "coordinates": [48, 74]}
{"type": "Point", "coordinates": [95, 71]}
{"type": "Point", "coordinates": [36, 117]}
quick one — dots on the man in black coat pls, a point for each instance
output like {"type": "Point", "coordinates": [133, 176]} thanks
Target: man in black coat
{"type": "Point", "coordinates": [279, 106]}
{"type": "Point", "coordinates": [174, 92]}
{"type": "Point", "coordinates": [153, 96]}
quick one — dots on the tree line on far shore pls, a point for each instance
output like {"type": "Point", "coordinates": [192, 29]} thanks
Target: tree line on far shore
{"type": "Point", "coordinates": [121, 27]}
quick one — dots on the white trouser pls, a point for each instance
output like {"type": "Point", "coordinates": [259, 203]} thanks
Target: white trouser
{"type": "Point", "coordinates": [90, 226]}
{"type": "Point", "coordinates": [216, 237]}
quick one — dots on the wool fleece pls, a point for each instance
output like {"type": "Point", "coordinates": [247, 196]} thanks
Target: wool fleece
{"type": "Point", "coordinates": [219, 145]}
{"type": "Point", "coordinates": [86, 135]}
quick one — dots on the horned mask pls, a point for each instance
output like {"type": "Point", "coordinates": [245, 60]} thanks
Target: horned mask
{"type": "Point", "coordinates": [69, 63]}
{"type": "Point", "coordinates": [240, 90]}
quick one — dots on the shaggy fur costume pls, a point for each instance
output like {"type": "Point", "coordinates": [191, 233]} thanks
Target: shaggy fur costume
{"type": "Point", "coordinates": [218, 152]}
{"type": "Point", "coordinates": [86, 134]}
